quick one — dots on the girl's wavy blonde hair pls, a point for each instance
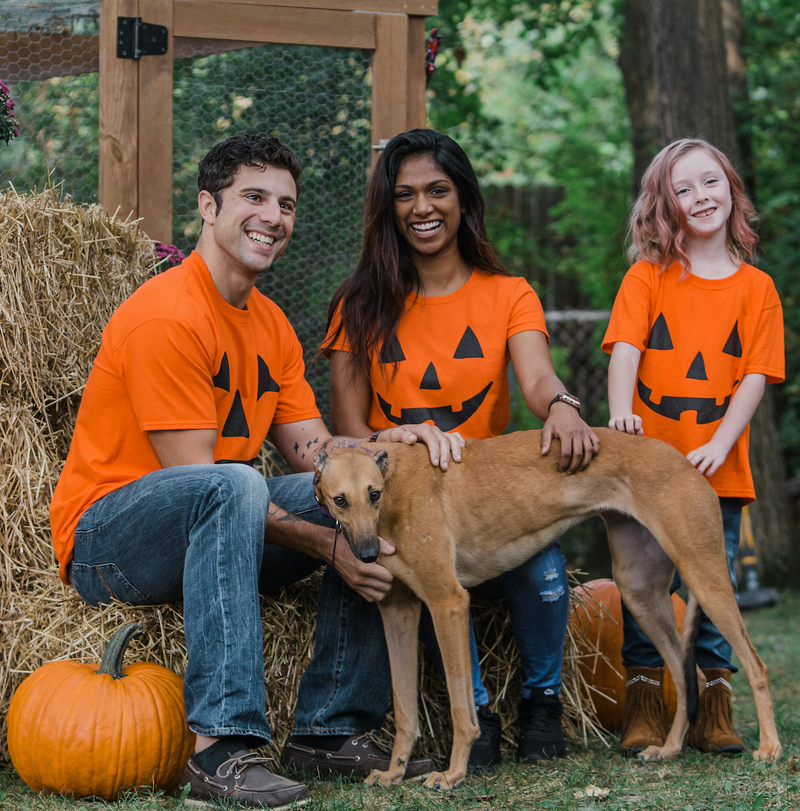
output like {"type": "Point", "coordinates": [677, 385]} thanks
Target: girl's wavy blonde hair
{"type": "Point", "coordinates": [657, 227]}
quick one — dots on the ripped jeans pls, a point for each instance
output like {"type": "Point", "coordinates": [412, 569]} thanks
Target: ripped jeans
{"type": "Point", "coordinates": [346, 688]}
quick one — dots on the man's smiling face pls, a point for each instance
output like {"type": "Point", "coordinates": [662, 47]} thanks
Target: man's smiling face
{"type": "Point", "coordinates": [252, 226]}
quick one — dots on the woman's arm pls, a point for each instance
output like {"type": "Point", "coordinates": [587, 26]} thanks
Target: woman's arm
{"type": "Point", "coordinates": [539, 383]}
{"type": "Point", "coordinates": [351, 395]}
{"type": "Point", "coordinates": [622, 371]}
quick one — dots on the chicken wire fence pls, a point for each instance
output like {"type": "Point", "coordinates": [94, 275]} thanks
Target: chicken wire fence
{"type": "Point", "coordinates": [315, 99]}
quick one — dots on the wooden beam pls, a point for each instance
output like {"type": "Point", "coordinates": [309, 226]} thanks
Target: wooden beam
{"type": "Point", "coordinates": [285, 25]}
{"type": "Point", "coordinates": [389, 79]}
{"type": "Point", "coordinates": [423, 8]}
{"type": "Point", "coordinates": [416, 111]}
{"type": "Point", "coordinates": [192, 48]}
{"type": "Point", "coordinates": [119, 120]}
{"type": "Point", "coordinates": [34, 56]}
{"type": "Point", "coordinates": [155, 129]}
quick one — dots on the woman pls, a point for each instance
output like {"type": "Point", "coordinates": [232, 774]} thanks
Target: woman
{"type": "Point", "coordinates": [423, 332]}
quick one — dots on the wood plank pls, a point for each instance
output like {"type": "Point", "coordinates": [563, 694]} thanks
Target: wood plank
{"type": "Point", "coordinates": [192, 48]}
{"type": "Point", "coordinates": [155, 129]}
{"type": "Point", "coordinates": [389, 79]}
{"type": "Point", "coordinates": [35, 56]}
{"type": "Point", "coordinates": [416, 111]}
{"type": "Point", "coordinates": [423, 8]}
{"type": "Point", "coordinates": [285, 25]}
{"type": "Point", "coordinates": [119, 80]}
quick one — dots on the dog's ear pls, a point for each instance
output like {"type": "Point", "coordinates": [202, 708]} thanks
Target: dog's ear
{"type": "Point", "coordinates": [320, 462]}
{"type": "Point", "coordinates": [382, 461]}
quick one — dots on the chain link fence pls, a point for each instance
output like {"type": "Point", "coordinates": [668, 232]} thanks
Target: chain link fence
{"type": "Point", "coordinates": [315, 99]}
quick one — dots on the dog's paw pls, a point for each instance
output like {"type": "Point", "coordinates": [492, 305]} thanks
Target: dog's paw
{"type": "Point", "coordinates": [443, 781]}
{"type": "Point", "coordinates": [769, 753]}
{"type": "Point", "coordinates": [653, 754]}
{"type": "Point", "coordinates": [383, 779]}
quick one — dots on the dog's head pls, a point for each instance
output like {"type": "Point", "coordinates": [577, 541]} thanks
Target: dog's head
{"type": "Point", "coordinates": [349, 483]}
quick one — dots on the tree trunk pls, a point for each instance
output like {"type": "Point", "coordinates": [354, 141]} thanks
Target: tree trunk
{"type": "Point", "coordinates": [686, 84]}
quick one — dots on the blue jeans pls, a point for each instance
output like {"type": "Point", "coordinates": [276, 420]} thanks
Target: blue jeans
{"type": "Point", "coordinates": [197, 533]}
{"type": "Point", "coordinates": [712, 649]}
{"type": "Point", "coordinates": [347, 686]}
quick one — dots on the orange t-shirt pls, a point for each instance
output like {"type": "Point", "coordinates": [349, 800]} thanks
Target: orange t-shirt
{"type": "Point", "coordinates": [698, 338]}
{"type": "Point", "coordinates": [452, 354]}
{"type": "Point", "coordinates": [177, 356]}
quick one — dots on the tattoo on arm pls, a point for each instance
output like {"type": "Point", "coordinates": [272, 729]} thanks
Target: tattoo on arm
{"type": "Point", "coordinates": [275, 510]}
{"type": "Point", "coordinates": [296, 447]}
{"type": "Point", "coordinates": [335, 442]}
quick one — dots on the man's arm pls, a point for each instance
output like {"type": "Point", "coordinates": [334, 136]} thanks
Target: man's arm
{"type": "Point", "coordinates": [196, 447]}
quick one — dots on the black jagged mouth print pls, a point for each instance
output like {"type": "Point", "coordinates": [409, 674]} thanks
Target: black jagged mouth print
{"type": "Point", "coordinates": [672, 407]}
{"type": "Point", "coordinates": [443, 417]}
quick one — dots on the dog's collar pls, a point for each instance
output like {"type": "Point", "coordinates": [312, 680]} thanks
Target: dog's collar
{"type": "Point", "coordinates": [323, 509]}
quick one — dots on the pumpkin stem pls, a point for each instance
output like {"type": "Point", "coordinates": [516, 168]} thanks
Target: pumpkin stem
{"type": "Point", "coordinates": [111, 663]}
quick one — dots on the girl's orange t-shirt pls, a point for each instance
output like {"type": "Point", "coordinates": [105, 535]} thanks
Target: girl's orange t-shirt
{"type": "Point", "coordinates": [698, 338]}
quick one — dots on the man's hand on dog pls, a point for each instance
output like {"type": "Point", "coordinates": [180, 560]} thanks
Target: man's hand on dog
{"type": "Point", "coordinates": [442, 447]}
{"type": "Point", "coordinates": [579, 443]}
{"type": "Point", "coordinates": [371, 580]}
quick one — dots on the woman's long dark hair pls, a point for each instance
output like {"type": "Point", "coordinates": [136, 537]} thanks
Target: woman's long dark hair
{"type": "Point", "coordinates": [373, 298]}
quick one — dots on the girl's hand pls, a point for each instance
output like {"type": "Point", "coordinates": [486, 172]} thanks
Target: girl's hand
{"type": "Point", "coordinates": [441, 446]}
{"type": "Point", "coordinates": [579, 443]}
{"type": "Point", "coordinates": [632, 424]}
{"type": "Point", "coordinates": [709, 457]}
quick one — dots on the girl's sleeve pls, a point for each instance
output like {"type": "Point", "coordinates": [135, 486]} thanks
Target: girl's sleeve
{"type": "Point", "coordinates": [630, 316]}
{"type": "Point", "coordinates": [767, 354]}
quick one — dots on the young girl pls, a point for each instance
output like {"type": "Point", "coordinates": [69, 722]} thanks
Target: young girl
{"type": "Point", "coordinates": [423, 331]}
{"type": "Point", "coordinates": [695, 334]}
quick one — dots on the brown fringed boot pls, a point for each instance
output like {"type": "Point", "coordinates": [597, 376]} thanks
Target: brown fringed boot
{"type": "Point", "coordinates": [645, 721]}
{"type": "Point", "coordinates": [713, 732]}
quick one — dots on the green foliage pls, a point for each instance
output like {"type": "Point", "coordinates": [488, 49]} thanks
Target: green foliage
{"type": "Point", "coordinates": [769, 121]}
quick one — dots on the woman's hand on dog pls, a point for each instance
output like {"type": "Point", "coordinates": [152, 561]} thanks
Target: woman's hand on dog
{"type": "Point", "coordinates": [370, 580]}
{"type": "Point", "coordinates": [442, 447]}
{"type": "Point", "coordinates": [579, 443]}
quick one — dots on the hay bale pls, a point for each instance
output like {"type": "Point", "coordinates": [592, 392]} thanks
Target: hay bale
{"type": "Point", "coordinates": [63, 270]}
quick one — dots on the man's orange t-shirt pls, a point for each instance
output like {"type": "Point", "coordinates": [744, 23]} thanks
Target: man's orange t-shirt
{"type": "Point", "coordinates": [177, 356]}
{"type": "Point", "coordinates": [452, 357]}
{"type": "Point", "coordinates": [698, 338]}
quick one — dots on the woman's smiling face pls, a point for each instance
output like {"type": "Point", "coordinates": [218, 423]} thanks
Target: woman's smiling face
{"type": "Point", "coordinates": [426, 206]}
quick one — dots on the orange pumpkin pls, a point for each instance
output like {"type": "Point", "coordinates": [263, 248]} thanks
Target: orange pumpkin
{"type": "Point", "coordinates": [599, 622]}
{"type": "Point", "coordinates": [95, 730]}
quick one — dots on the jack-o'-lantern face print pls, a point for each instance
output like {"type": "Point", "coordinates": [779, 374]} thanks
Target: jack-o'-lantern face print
{"type": "Point", "coordinates": [703, 372]}
{"type": "Point", "coordinates": [460, 369]}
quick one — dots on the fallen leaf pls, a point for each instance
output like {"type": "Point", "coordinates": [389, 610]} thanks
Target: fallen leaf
{"type": "Point", "coordinates": [595, 792]}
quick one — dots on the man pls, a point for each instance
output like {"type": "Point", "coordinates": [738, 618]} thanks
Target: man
{"type": "Point", "coordinates": [195, 370]}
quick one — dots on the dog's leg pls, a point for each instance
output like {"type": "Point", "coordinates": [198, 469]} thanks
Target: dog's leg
{"type": "Point", "coordinates": [450, 616]}
{"type": "Point", "coordinates": [400, 613]}
{"type": "Point", "coordinates": [643, 573]}
{"type": "Point", "coordinates": [715, 595]}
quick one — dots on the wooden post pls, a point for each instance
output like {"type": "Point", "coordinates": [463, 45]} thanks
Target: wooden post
{"type": "Point", "coordinates": [416, 111]}
{"type": "Point", "coordinates": [119, 119]}
{"type": "Point", "coordinates": [155, 129]}
{"type": "Point", "coordinates": [389, 78]}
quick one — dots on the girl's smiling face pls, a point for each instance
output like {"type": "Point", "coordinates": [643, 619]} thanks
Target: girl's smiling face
{"type": "Point", "coordinates": [703, 192]}
{"type": "Point", "coordinates": [426, 206]}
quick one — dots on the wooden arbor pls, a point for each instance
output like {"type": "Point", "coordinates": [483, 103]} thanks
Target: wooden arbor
{"type": "Point", "coordinates": [136, 94]}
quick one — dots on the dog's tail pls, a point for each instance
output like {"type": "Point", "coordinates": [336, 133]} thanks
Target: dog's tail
{"type": "Point", "coordinates": [691, 631]}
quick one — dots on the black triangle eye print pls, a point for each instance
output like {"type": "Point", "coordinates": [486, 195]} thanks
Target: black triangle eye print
{"type": "Point", "coordinates": [236, 424]}
{"type": "Point", "coordinates": [222, 379]}
{"type": "Point", "coordinates": [430, 380]}
{"type": "Point", "coordinates": [659, 335]}
{"type": "Point", "coordinates": [733, 346]}
{"type": "Point", "coordinates": [469, 346]}
{"type": "Point", "coordinates": [392, 352]}
{"type": "Point", "coordinates": [697, 371]}
{"type": "Point", "coordinates": [265, 380]}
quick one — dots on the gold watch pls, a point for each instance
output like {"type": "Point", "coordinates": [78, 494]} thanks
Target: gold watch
{"type": "Point", "coordinates": [565, 397]}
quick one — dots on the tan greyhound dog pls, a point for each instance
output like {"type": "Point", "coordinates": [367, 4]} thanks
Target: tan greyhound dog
{"type": "Point", "coordinates": [498, 507]}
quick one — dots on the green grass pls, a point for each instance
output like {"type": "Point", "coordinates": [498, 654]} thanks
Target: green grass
{"type": "Point", "coordinates": [692, 783]}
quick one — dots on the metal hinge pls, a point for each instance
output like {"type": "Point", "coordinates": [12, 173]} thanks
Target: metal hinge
{"type": "Point", "coordinates": [135, 38]}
